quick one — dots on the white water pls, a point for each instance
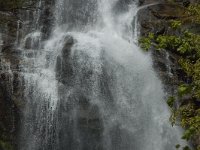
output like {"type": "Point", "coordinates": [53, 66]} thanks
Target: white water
{"type": "Point", "coordinates": [101, 93]}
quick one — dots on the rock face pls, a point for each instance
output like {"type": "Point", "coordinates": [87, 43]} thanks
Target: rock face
{"type": "Point", "coordinates": [10, 93]}
{"type": "Point", "coordinates": [156, 19]}
{"type": "Point", "coordinates": [15, 24]}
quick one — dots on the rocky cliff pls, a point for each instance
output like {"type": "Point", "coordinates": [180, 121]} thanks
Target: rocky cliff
{"type": "Point", "coordinates": [16, 21]}
{"type": "Point", "coordinates": [157, 19]}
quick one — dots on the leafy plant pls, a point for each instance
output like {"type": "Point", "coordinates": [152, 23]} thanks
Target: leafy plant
{"type": "Point", "coordinates": [146, 42]}
{"type": "Point", "coordinates": [5, 145]}
{"type": "Point", "coordinates": [171, 101]}
{"type": "Point", "coordinates": [184, 89]}
{"type": "Point", "coordinates": [187, 45]}
{"type": "Point", "coordinates": [175, 24]}
{"type": "Point", "coordinates": [186, 148]}
{"type": "Point", "coordinates": [178, 146]}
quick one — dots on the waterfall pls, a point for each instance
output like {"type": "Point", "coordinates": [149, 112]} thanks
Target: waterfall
{"type": "Point", "coordinates": [89, 87]}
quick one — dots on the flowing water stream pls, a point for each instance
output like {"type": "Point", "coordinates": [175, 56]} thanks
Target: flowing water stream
{"type": "Point", "coordinates": [90, 87]}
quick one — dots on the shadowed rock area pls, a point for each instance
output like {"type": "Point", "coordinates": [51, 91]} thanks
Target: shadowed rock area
{"type": "Point", "coordinates": [14, 25]}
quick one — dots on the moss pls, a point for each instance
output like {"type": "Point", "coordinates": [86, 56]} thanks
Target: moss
{"type": "Point", "coordinates": [171, 101]}
{"type": "Point", "coordinates": [178, 146]}
{"type": "Point", "coordinates": [5, 145]}
{"type": "Point", "coordinates": [186, 45]}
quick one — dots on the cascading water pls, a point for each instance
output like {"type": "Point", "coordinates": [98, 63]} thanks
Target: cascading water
{"type": "Point", "coordinates": [89, 87]}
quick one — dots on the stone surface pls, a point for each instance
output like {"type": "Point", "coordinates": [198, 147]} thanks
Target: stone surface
{"type": "Point", "coordinates": [15, 24]}
{"type": "Point", "coordinates": [156, 19]}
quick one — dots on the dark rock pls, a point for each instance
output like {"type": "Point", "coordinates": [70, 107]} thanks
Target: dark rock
{"type": "Point", "coordinates": [161, 66]}
{"type": "Point", "coordinates": [156, 19]}
{"type": "Point", "coordinates": [186, 3]}
{"type": "Point", "coordinates": [182, 76]}
{"type": "Point", "coordinates": [141, 2]}
{"type": "Point", "coordinates": [67, 46]}
{"type": "Point", "coordinates": [64, 70]}
{"type": "Point", "coordinates": [146, 2]}
{"type": "Point", "coordinates": [28, 43]}
{"type": "Point", "coordinates": [9, 113]}
{"type": "Point", "coordinates": [32, 43]}
{"type": "Point", "coordinates": [161, 31]}
{"type": "Point", "coordinates": [46, 19]}
{"type": "Point", "coordinates": [11, 82]}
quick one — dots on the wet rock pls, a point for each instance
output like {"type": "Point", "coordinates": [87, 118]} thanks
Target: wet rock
{"type": "Point", "coordinates": [46, 19]}
{"type": "Point", "coordinates": [156, 19]}
{"type": "Point", "coordinates": [146, 2]}
{"type": "Point", "coordinates": [182, 76]}
{"type": "Point", "coordinates": [186, 3]}
{"type": "Point", "coordinates": [32, 43]}
{"type": "Point", "coordinates": [90, 126]}
{"type": "Point", "coordinates": [9, 112]}
{"type": "Point", "coordinates": [64, 70]}
{"type": "Point", "coordinates": [69, 41]}
{"type": "Point", "coordinates": [28, 43]}
{"type": "Point", "coordinates": [141, 2]}
{"type": "Point", "coordinates": [12, 30]}
{"type": "Point", "coordinates": [169, 70]}
{"type": "Point", "coordinates": [79, 121]}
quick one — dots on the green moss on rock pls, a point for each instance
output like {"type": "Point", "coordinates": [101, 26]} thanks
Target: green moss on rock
{"type": "Point", "coordinates": [5, 145]}
{"type": "Point", "coordinates": [180, 40]}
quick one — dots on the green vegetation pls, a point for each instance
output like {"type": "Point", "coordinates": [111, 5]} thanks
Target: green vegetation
{"type": "Point", "coordinates": [5, 146]}
{"type": "Point", "coordinates": [186, 44]}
